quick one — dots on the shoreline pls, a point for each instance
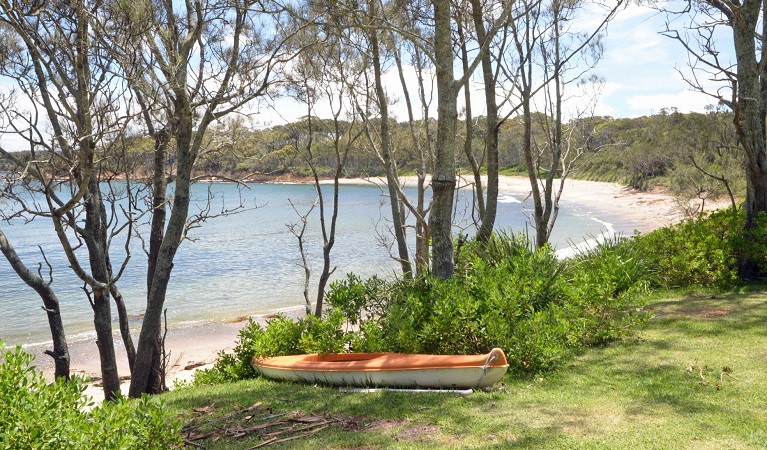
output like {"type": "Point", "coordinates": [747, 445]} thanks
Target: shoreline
{"type": "Point", "coordinates": [196, 347]}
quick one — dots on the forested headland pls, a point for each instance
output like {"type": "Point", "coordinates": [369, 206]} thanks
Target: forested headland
{"type": "Point", "coordinates": [693, 155]}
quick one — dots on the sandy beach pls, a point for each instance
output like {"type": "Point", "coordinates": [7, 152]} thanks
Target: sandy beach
{"type": "Point", "coordinates": [197, 347]}
{"type": "Point", "coordinates": [636, 210]}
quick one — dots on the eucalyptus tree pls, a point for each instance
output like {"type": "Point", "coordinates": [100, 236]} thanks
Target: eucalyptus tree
{"type": "Point", "coordinates": [444, 174]}
{"type": "Point", "coordinates": [206, 59]}
{"type": "Point", "coordinates": [74, 106]}
{"type": "Point", "coordinates": [382, 28]}
{"type": "Point", "coordinates": [383, 144]}
{"type": "Point", "coordinates": [550, 54]}
{"type": "Point", "coordinates": [320, 74]}
{"type": "Point", "coordinates": [421, 140]}
{"type": "Point", "coordinates": [476, 20]}
{"type": "Point", "coordinates": [738, 84]}
{"type": "Point", "coordinates": [60, 352]}
{"type": "Point", "coordinates": [366, 31]}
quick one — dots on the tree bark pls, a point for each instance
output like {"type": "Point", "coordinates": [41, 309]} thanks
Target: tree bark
{"type": "Point", "coordinates": [60, 353]}
{"type": "Point", "coordinates": [491, 126]}
{"type": "Point", "coordinates": [751, 108]}
{"type": "Point", "coordinates": [468, 142]}
{"type": "Point", "coordinates": [147, 367]}
{"type": "Point", "coordinates": [443, 180]}
{"type": "Point", "coordinates": [95, 236]}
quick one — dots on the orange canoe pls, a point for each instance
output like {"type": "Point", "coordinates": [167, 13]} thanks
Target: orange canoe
{"type": "Point", "coordinates": [388, 369]}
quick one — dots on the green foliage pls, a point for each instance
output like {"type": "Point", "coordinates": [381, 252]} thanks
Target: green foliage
{"type": "Point", "coordinates": [281, 336]}
{"type": "Point", "coordinates": [535, 307]}
{"type": "Point", "coordinates": [39, 415]}
{"type": "Point", "coordinates": [704, 251]}
{"type": "Point", "coordinates": [627, 395]}
{"type": "Point", "coordinates": [356, 297]}
{"type": "Point", "coordinates": [603, 285]}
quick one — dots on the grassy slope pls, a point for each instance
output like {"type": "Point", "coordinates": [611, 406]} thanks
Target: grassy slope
{"type": "Point", "coordinates": [634, 394]}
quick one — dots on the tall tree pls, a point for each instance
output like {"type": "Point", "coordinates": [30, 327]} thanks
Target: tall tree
{"type": "Point", "coordinates": [320, 75]}
{"type": "Point", "coordinates": [745, 89]}
{"type": "Point", "coordinates": [69, 81]}
{"type": "Point", "coordinates": [550, 56]}
{"type": "Point", "coordinates": [209, 59]}
{"type": "Point", "coordinates": [444, 176]}
{"type": "Point", "coordinates": [386, 152]}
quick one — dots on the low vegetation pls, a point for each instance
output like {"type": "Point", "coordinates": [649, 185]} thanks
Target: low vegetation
{"type": "Point", "coordinates": [693, 377]}
{"type": "Point", "coordinates": [601, 354]}
{"type": "Point", "coordinates": [39, 415]}
{"type": "Point", "coordinates": [536, 308]}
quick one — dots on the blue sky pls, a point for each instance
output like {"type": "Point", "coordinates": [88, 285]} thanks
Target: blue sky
{"type": "Point", "coordinates": [640, 67]}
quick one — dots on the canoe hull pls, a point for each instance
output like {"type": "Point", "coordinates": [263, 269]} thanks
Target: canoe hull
{"type": "Point", "coordinates": [388, 369]}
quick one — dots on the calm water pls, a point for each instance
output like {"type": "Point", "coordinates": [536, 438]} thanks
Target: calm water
{"type": "Point", "coordinates": [243, 264]}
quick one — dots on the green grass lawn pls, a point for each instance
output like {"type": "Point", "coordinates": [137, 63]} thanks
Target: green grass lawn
{"type": "Point", "coordinates": [694, 378]}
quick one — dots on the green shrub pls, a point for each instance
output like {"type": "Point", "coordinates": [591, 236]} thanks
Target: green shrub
{"type": "Point", "coordinates": [504, 294]}
{"type": "Point", "coordinates": [280, 337]}
{"type": "Point", "coordinates": [605, 287]}
{"type": "Point", "coordinates": [358, 299]}
{"type": "Point", "coordinates": [39, 415]}
{"type": "Point", "coordinates": [539, 343]}
{"type": "Point", "coordinates": [705, 251]}
{"type": "Point", "coordinates": [322, 335]}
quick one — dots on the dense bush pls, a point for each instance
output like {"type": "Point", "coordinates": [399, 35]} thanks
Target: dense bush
{"type": "Point", "coordinates": [705, 251]}
{"type": "Point", "coordinates": [39, 415]}
{"type": "Point", "coordinates": [503, 294]}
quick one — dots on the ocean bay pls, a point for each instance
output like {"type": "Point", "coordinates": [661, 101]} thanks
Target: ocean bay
{"type": "Point", "coordinates": [244, 264]}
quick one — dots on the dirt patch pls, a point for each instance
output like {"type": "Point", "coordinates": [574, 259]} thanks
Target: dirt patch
{"type": "Point", "coordinates": [409, 432]}
{"type": "Point", "coordinates": [419, 433]}
{"type": "Point", "coordinates": [386, 424]}
{"type": "Point", "coordinates": [713, 313]}
{"type": "Point", "coordinates": [696, 307]}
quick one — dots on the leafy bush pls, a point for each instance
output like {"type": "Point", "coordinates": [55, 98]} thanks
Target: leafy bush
{"type": "Point", "coordinates": [535, 307]}
{"type": "Point", "coordinates": [281, 336]}
{"type": "Point", "coordinates": [603, 286]}
{"type": "Point", "coordinates": [705, 251]}
{"type": "Point", "coordinates": [356, 298]}
{"type": "Point", "coordinates": [41, 416]}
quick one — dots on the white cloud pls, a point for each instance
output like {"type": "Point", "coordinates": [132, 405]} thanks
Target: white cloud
{"type": "Point", "coordinates": [685, 101]}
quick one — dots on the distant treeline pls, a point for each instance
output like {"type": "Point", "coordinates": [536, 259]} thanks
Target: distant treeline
{"type": "Point", "coordinates": [694, 154]}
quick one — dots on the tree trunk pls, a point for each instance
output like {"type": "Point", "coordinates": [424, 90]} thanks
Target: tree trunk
{"type": "Point", "coordinates": [156, 235]}
{"type": "Point", "coordinates": [60, 353]}
{"type": "Point", "coordinates": [468, 150]}
{"type": "Point", "coordinates": [122, 315]}
{"type": "Point", "coordinates": [390, 164]}
{"type": "Point", "coordinates": [491, 125]}
{"type": "Point", "coordinates": [421, 226]}
{"type": "Point", "coordinates": [443, 180]}
{"type": "Point", "coordinates": [147, 367]}
{"type": "Point", "coordinates": [749, 117]}
{"type": "Point", "coordinates": [750, 110]}
{"type": "Point", "coordinates": [95, 237]}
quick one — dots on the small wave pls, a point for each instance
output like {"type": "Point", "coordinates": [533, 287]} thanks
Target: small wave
{"type": "Point", "coordinates": [71, 339]}
{"type": "Point", "coordinates": [606, 236]}
{"type": "Point", "coordinates": [503, 198]}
